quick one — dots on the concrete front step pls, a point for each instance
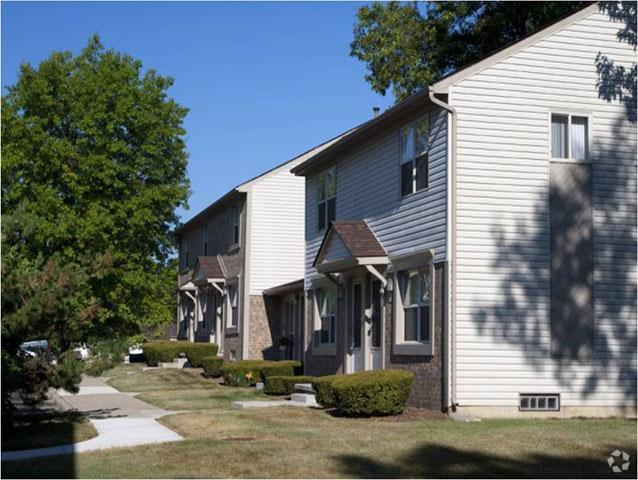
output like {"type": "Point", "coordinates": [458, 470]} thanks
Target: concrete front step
{"type": "Point", "coordinates": [305, 398]}
{"type": "Point", "coordinates": [176, 363]}
{"type": "Point", "coordinates": [249, 404]}
{"type": "Point", "coordinates": [304, 388]}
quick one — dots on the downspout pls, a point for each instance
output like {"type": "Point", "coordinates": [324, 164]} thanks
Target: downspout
{"type": "Point", "coordinates": [450, 358]}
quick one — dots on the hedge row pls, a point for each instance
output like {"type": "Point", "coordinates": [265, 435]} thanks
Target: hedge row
{"type": "Point", "coordinates": [245, 373]}
{"type": "Point", "coordinates": [157, 352]}
{"type": "Point", "coordinates": [212, 366]}
{"type": "Point", "coordinates": [284, 385]}
{"type": "Point", "coordinates": [197, 351]}
{"type": "Point", "coordinates": [373, 392]}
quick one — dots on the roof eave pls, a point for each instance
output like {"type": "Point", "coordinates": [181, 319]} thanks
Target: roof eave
{"type": "Point", "coordinates": [364, 132]}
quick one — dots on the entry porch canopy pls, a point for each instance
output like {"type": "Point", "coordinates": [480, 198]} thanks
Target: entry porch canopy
{"type": "Point", "coordinates": [209, 270]}
{"type": "Point", "coordinates": [350, 244]}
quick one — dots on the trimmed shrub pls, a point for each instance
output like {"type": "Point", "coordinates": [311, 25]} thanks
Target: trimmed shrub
{"type": "Point", "coordinates": [242, 373]}
{"type": "Point", "coordinates": [279, 385]}
{"type": "Point", "coordinates": [245, 373]}
{"type": "Point", "coordinates": [212, 366]}
{"type": "Point", "coordinates": [156, 352]}
{"type": "Point", "coordinates": [195, 352]}
{"type": "Point", "coordinates": [373, 392]}
{"type": "Point", "coordinates": [282, 368]}
{"type": "Point", "coordinates": [323, 390]}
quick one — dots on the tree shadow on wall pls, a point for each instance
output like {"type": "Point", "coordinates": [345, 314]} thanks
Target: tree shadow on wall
{"type": "Point", "coordinates": [521, 316]}
{"type": "Point", "coordinates": [441, 461]}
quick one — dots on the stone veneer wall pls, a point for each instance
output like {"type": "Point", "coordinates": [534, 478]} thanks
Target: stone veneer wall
{"type": "Point", "coordinates": [427, 389]}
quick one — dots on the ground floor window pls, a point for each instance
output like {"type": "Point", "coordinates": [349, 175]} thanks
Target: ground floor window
{"type": "Point", "coordinates": [326, 310]}
{"type": "Point", "coordinates": [414, 308]}
{"type": "Point", "coordinates": [233, 306]}
{"type": "Point", "coordinates": [415, 302]}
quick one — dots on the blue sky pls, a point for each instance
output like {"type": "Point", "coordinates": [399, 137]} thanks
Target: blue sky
{"type": "Point", "coordinates": [263, 81]}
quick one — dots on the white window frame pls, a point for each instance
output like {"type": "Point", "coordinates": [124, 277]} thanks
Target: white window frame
{"type": "Point", "coordinates": [333, 172]}
{"type": "Point", "coordinates": [230, 324]}
{"type": "Point", "coordinates": [414, 157]}
{"type": "Point", "coordinates": [235, 225]}
{"type": "Point", "coordinates": [320, 348]}
{"type": "Point", "coordinates": [412, 347]}
{"type": "Point", "coordinates": [569, 114]}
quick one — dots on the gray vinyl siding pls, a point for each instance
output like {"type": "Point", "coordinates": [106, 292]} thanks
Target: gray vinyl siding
{"type": "Point", "coordinates": [368, 187]}
{"type": "Point", "coordinates": [335, 249]}
{"type": "Point", "coordinates": [503, 332]}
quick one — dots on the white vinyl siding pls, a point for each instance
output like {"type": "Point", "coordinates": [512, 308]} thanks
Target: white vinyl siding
{"type": "Point", "coordinates": [368, 187]}
{"type": "Point", "coordinates": [277, 231]}
{"type": "Point", "coordinates": [504, 149]}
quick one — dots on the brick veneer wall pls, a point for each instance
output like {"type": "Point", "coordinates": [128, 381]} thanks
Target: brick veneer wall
{"type": "Point", "coordinates": [265, 327]}
{"type": "Point", "coordinates": [427, 389]}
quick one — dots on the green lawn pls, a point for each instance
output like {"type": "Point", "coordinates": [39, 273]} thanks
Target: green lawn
{"type": "Point", "coordinates": [47, 430]}
{"type": "Point", "coordinates": [300, 443]}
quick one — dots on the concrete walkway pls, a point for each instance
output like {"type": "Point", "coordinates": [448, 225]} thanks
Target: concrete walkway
{"type": "Point", "coordinates": [120, 420]}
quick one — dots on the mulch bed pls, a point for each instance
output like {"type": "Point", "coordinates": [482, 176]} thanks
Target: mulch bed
{"type": "Point", "coordinates": [410, 414]}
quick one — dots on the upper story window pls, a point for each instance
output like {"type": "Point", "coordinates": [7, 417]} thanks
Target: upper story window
{"type": "Point", "coordinates": [235, 229]}
{"type": "Point", "coordinates": [414, 156]}
{"type": "Point", "coordinates": [326, 198]}
{"type": "Point", "coordinates": [325, 315]}
{"type": "Point", "coordinates": [570, 137]}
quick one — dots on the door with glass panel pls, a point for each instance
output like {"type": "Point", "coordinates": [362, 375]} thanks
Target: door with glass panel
{"type": "Point", "coordinates": [357, 351]}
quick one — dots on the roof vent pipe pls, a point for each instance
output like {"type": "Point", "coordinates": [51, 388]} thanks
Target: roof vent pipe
{"type": "Point", "coordinates": [375, 112]}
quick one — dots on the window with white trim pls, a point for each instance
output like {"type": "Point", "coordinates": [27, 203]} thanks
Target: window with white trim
{"type": "Point", "coordinates": [414, 156]}
{"type": "Point", "coordinates": [570, 137]}
{"type": "Point", "coordinates": [414, 296]}
{"type": "Point", "coordinates": [326, 315]}
{"type": "Point", "coordinates": [235, 225]}
{"type": "Point", "coordinates": [326, 198]}
{"type": "Point", "coordinates": [232, 316]}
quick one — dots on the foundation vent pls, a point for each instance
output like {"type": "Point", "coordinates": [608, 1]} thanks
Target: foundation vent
{"type": "Point", "coordinates": [539, 402]}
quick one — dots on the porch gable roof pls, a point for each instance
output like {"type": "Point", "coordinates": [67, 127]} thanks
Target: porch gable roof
{"type": "Point", "coordinates": [210, 268]}
{"type": "Point", "coordinates": [347, 244]}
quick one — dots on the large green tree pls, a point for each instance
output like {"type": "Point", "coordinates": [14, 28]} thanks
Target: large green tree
{"type": "Point", "coordinates": [93, 169]}
{"type": "Point", "coordinates": [408, 46]}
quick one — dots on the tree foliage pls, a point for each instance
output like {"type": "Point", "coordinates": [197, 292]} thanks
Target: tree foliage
{"type": "Point", "coordinates": [408, 46]}
{"type": "Point", "coordinates": [93, 168]}
{"type": "Point", "coordinates": [618, 82]}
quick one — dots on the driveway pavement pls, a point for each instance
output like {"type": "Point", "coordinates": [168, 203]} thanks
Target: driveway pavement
{"type": "Point", "coordinates": [120, 420]}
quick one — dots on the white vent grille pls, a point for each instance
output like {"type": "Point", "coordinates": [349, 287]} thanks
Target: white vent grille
{"type": "Point", "coordinates": [543, 402]}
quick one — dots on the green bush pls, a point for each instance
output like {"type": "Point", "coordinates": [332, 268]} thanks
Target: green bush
{"type": "Point", "coordinates": [246, 373]}
{"type": "Point", "coordinates": [373, 392]}
{"type": "Point", "coordinates": [282, 368]}
{"type": "Point", "coordinates": [212, 366]}
{"type": "Point", "coordinates": [284, 385]}
{"type": "Point", "coordinates": [156, 352]}
{"type": "Point", "coordinates": [324, 393]}
{"type": "Point", "coordinates": [195, 352]}
{"type": "Point", "coordinates": [105, 354]}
